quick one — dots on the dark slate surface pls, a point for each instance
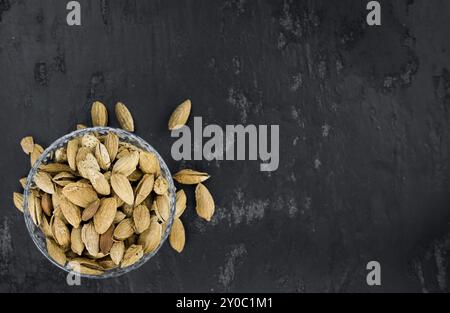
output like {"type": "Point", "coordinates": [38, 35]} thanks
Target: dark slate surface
{"type": "Point", "coordinates": [364, 121]}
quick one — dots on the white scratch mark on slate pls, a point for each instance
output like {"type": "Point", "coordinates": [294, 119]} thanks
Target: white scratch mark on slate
{"type": "Point", "coordinates": [228, 271]}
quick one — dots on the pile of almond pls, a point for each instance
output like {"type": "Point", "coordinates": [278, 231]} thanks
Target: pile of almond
{"type": "Point", "coordinates": [103, 203]}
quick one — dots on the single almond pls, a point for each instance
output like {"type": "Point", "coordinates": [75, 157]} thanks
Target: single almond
{"type": "Point", "coordinates": [116, 252]}
{"type": "Point", "coordinates": [90, 238]}
{"type": "Point", "coordinates": [127, 164]}
{"type": "Point", "coordinates": [46, 204]}
{"type": "Point", "coordinates": [27, 144]}
{"type": "Point", "coordinates": [72, 149]}
{"type": "Point", "coordinates": [112, 145]}
{"type": "Point", "coordinates": [180, 116]}
{"type": "Point", "coordinates": [124, 117]}
{"type": "Point", "coordinates": [180, 205]}
{"type": "Point", "coordinates": [124, 229]}
{"type": "Point", "coordinates": [90, 211]}
{"type": "Point", "coordinates": [144, 188]}
{"type": "Point", "coordinates": [141, 218]}
{"type": "Point", "coordinates": [76, 244]}
{"type": "Point", "coordinates": [44, 182]}
{"type": "Point", "coordinates": [61, 233]}
{"type": "Point", "coordinates": [205, 203]}
{"type": "Point", "coordinates": [80, 194]}
{"type": "Point", "coordinates": [102, 155]}
{"type": "Point", "coordinates": [104, 217]}
{"type": "Point", "coordinates": [161, 185]}
{"type": "Point", "coordinates": [148, 163]}
{"type": "Point", "coordinates": [161, 207]}
{"type": "Point", "coordinates": [99, 114]}
{"type": "Point", "coordinates": [122, 188]}
{"type": "Point", "coordinates": [151, 237]}
{"type": "Point", "coordinates": [190, 177]}
{"type": "Point", "coordinates": [106, 240]}
{"type": "Point", "coordinates": [100, 183]}
{"type": "Point", "coordinates": [133, 254]}
{"type": "Point", "coordinates": [55, 252]}
{"type": "Point", "coordinates": [45, 227]}
{"type": "Point", "coordinates": [89, 141]}
{"type": "Point", "coordinates": [177, 235]}
{"type": "Point", "coordinates": [71, 212]}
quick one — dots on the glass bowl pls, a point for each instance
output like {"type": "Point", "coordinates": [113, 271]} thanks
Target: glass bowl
{"type": "Point", "coordinates": [38, 236]}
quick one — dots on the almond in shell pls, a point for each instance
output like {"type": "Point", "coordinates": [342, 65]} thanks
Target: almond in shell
{"type": "Point", "coordinates": [177, 235]}
{"type": "Point", "coordinates": [144, 188]}
{"type": "Point", "coordinates": [90, 238]}
{"type": "Point", "coordinates": [116, 252]}
{"type": "Point", "coordinates": [124, 117]}
{"type": "Point", "coordinates": [80, 194]}
{"type": "Point", "coordinates": [141, 218]}
{"type": "Point", "coordinates": [124, 229]}
{"type": "Point", "coordinates": [104, 217]}
{"type": "Point", "coordinates": [133, 254]}
{"type": "Point", "coordinates": [55, 252]}
{"type": "Point", "coordinates": [204, 202]}
{"type": "Point", "coordinates": [27, 144]}
{"type": "Point", "coordinates": [180, 116]}
{"type": "Point", "coordinates": [122, 188]}
{"type": "Point", "coordinates": [76, 244]}
{"type": "Point", "coordinates": [99, 114]}
{"type": "Point", "coordinates": [190, 177]}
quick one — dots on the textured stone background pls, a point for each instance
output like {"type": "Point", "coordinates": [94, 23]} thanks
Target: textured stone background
{"type": "Point", "coordinates": [364, 121]}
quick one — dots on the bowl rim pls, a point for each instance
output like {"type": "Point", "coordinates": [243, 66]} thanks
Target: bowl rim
{"type": "Point", "coordinates": [62, 141]}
